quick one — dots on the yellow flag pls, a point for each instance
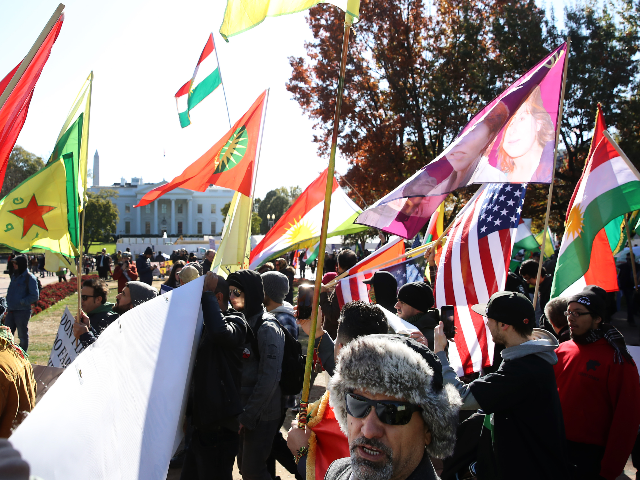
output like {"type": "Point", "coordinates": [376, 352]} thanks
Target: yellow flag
{"type": "Point", "coordinates": [233, 253]}
{"type": "Point", "coordinates": [548, 244]}
{"type": "Point", "coordinates": [243, 15]}
{"type": "Point", "coordinates": [81, 105]}
{"type": "Point", "coordinates": [42, 212]}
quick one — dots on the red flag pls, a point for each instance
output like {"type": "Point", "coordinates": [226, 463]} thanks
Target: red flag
{"type": "Point", "coordinates": [14, 111]}
{"type": "Point", "coordinates": [352, 287]}
{"type": "Point", "coordinates": [229, 163]}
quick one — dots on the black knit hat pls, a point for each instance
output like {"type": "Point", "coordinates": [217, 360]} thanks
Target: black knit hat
{"type": "Point", "coordinates": [591, 301]}
{"type": "Point", "coordinates": [418, 295]}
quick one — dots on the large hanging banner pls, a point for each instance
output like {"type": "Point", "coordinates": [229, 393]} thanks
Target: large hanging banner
{"type": "Point", "coordinates": [122, 400]}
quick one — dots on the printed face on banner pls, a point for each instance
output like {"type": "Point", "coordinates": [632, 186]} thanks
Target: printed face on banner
{"type": "Point", "coordinates": [510, 141]}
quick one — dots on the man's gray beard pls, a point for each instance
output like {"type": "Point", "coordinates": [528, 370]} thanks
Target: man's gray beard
{"type": "Point", "coordinates": [366, 470]}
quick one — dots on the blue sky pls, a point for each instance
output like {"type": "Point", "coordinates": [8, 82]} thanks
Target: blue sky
{"type": "Point", "coordinates": [141, 52]}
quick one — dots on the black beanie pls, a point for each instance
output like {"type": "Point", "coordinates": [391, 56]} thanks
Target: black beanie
{"type": "Point", "coordinates": [591, 301]}
{"type": "Point", "coordinates": [418, 295]}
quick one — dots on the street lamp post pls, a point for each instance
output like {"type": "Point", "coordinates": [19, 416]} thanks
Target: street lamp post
{"type": "Point", "coordinates": [271, 220]}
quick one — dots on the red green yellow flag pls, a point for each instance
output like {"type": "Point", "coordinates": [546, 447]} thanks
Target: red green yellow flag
{"type": "Point", "coordinates": [230, 163]}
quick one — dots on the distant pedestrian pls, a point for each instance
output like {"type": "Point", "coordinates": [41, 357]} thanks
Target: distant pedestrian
{"type": "Point", "coordinates": [103, 264]}
{"type": "Point", "coordinates": [22, 292]}
{"type": "Point", "coordinates": [143, 265]}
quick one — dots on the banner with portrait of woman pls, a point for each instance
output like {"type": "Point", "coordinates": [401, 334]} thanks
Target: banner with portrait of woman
{"type": "Point", "coordinates": [511, 140]}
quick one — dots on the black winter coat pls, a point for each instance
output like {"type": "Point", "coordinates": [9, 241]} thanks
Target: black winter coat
{"type": "Point", "coordinates": [215, 387]}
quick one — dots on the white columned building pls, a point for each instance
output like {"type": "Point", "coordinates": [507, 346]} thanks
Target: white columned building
{"type": "Point", "coordinates": [179, 212]}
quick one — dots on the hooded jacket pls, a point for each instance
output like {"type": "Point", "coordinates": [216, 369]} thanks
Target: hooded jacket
{"type": "Point", "coordinates": [23, 289]}
{"type": "Point", "coordinates": [260, 392]}
{"type": "Point", "coordinates": [145, 272]}
{"type": "Point", "coordinates": [522, 399]}
{"type": "Point", "coordinates": [217, 374]}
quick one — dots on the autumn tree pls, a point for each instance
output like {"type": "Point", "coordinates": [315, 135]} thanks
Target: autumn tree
{"type": "Point", "coordinates": [20, 166]}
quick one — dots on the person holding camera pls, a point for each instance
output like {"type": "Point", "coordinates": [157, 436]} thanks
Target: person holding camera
{"type": "Point", "coordinates": [521, 399]}
{"type": "Point", "coordinates": [124, 272]}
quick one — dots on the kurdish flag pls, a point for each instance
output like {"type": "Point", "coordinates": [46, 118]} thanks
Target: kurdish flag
{"type": "Point", "coordinates": [230, 163]}
{"type": "Point", "coordinates": [42, 212]}
{"type": "Point", "coordinates": [206, 78]}
{"type": "Point", "coordinates": [300, 226]}
{"type": "Point", "coordinates": [609, 187]}
{"type": "Point", "coordinates": [243, 15]}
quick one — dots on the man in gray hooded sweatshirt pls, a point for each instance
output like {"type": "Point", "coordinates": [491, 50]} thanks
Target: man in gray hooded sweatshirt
{"type": "Point", "coordinates": [521, 398]}
{"type": "Point", "coordinates": [261, 369]}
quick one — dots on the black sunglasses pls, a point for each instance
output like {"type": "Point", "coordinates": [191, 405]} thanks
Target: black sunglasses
{"type": "Point", "coordinates": [87, 297]}
{"type": "Point", "coordinates": [389, 412]}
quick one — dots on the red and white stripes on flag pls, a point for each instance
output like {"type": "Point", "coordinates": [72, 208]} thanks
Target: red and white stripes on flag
{"type": "Point", "coordinates": [351, 288]}
{"type": "Point", "coordinates": [474, 265]}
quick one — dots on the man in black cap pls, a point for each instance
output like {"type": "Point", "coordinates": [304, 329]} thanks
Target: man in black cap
{"type": "Point", "coordinates": [599, 390]}
{"type": "Point", "coordinates": [383, 289]}
{"type": "Point", "coordinates": [521, 397]}
{"type": "Point", "coordinates": [143, 264]}
{"type": "Point", "coordinates": [415, 304]}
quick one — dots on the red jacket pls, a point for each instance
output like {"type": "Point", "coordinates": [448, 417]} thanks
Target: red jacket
{"type": "Point", "coordinates": [600, 401]}
{"type": "Point", "coordinates": [118, 274]}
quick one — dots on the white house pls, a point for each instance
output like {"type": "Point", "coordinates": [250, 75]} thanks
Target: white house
{"type": "Point", "coordinates": [180, 212]}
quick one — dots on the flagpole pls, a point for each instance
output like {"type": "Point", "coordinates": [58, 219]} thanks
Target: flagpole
{"type": "Point", "coordinates": [553, 174]}
{"type": "Point", "coordinates": [255, 173]}
{"type": "Point", "coordinates": [26, 61]}
{"type": "Point", "coordinates": [223, 90]}
{"type": "Point", "coordinates": [304, 400]}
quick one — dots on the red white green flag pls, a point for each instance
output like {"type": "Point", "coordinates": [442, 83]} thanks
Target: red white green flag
{"type": "Point", "coordinates": [230, 163]}
{"type": "Point", "coordinates": [300, 226]}
{"type": "Point", "coordinates": [609, 187]}
{"type": "Point", "coordinates": [206, 78]}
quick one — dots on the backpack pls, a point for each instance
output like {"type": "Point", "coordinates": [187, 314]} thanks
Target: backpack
{"type": "Point", "coordinates": [293, 361]}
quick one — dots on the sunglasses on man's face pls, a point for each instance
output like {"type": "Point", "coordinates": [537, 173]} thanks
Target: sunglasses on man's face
{"type": "Point", "coordinates": [235, 292]}
{"type": "Point", "coordinates": [87, 297]}
{"type": "Point", "coordinates": [389, 412]}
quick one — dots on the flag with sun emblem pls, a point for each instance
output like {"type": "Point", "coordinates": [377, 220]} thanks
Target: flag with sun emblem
{"type": "Point", "coordinates": [609, 187]}
{"type": "Point", "coordinates": [230, 163]}
{"type": "Point", "coordinates": [300, 226]}
{"type": "Point", "coordinates": [42, 212]}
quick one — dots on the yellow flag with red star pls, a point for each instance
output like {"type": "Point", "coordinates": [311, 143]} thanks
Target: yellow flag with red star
{"type": "Point", "coordinates": [42, 212]}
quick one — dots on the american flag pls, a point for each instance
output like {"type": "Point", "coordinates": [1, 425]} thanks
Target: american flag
{"type": "Point", "coordinates": [409, 271]}
{"type": "Point", "coordinates": [351, 287]}
{"type": "Point", "coordinates": [474, 265]}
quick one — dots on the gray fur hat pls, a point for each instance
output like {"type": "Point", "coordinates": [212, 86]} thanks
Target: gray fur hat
{"type": "Point", "coordinates": [403, 368]}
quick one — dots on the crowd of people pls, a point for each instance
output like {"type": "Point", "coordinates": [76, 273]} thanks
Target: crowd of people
{"type": "Point", "coordinates": [561, 400]}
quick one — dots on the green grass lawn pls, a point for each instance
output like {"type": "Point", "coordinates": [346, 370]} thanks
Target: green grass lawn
{"type": "Point", "coordinates": [96, 248]}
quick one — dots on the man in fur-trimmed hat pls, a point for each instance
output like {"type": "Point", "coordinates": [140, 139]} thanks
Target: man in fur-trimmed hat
{"type": "Point", "coordinates": [389, 399]}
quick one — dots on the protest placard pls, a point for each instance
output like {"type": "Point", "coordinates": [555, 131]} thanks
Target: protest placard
{"type": "Point", "coordinates": [65, 348]}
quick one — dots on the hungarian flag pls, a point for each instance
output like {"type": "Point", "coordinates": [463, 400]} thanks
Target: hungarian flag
{"type": "Point", "coordinates": [352, 287]}
{"type": "Point", "coordinates": [229, 163]}
{"type": "Point", "coordinates": [42, 212]}
{"type": "Point", "coordinates": [206, 78]}
{"type": "Point", "coordinates": [300, 226]}
{"type": "Point", "coordinates": [243, 15]}
{"type": "Point", "coordinates": [13, 112]}
{"type": "Point", "coordinates": [609, 187]}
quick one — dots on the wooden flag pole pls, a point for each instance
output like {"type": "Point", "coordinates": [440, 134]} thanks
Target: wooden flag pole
{"type": "Point", "coordinates": [26, 61]}
{"type": "Point", "coordinates": [553, 174]}
{"type": "Point", "coordinates": [304, 400]}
